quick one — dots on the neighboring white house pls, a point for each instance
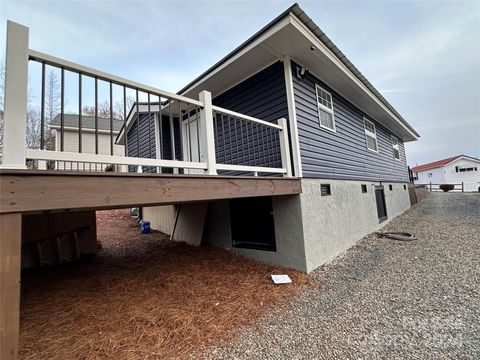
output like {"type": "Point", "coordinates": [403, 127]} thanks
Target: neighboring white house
{"type": "Point", "coordinates": [71, 139]}
{"type": "Point", "coordinates": [453, 170]}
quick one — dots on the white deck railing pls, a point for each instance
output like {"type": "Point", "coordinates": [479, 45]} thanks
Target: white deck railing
{"type": "Point", "coordinates": [15, 153]}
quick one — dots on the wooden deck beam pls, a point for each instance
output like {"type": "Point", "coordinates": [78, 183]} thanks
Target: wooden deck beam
{"type": "Point", "coordinates": [28, 191]}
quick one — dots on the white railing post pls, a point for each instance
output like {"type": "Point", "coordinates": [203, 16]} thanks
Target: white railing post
{"type": "Point", "coordinates": [16, 91]}
{"type": "Point", "coordinates": [207, 141]}
{"type": "Point", "coordinates": [285, 146]}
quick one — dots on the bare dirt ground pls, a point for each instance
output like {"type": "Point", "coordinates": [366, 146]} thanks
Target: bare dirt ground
{"type": "Point", "coordinates": [144, 297]}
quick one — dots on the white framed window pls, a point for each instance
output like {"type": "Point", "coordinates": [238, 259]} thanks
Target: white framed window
{"type": "Point", "coordinates": [396, 148]}
{"type": "Point", "coordinates": [325, 108]}
{"type": "Point", "coordinates": [370, 135]}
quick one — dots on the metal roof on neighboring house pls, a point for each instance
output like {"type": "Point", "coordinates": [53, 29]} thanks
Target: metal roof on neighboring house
{"type": "Point", "coordinates": [88, 122]}
{"type": "Point", "coordinates": [439, 163]}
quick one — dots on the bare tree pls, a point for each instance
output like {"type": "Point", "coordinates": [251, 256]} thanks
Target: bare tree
{"type": "Point", "coordinates": [52, 107]}
{"type": "Point", "coordinates": [33, 129]}
{"type": "Point", "coordinates": [104, 109]}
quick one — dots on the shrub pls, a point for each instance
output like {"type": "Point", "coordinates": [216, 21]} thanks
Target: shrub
{"type": "Point", "coordinates": [447, 187]}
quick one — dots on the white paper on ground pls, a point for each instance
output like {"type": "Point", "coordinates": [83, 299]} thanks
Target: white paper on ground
{"type": "Point", "coordinates": [281, 279]}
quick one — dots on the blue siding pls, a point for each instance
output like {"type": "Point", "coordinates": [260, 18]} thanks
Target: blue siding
{"type": "Point", "coordinates": [342, 154]}
{"type": "Point", "coordinates": [147, 140]}
{"type": "Point", "coordinates": [263, 95]}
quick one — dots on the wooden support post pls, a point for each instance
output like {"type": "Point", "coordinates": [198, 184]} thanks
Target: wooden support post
{"type": "Point", "coordinates": [463, 187]}
{"type": "Point", "coordinates": [10, 256]}
{"type": "Point", "coordinates": [430, 186]}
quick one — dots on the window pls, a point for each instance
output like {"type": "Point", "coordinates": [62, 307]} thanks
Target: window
{"type": "Point", "coordinates": [325, 108]}
{"type": "Point", "coordinates": [325, 190]}
{"type": "Point", "coordinates": [390, 187]}
{"type": "Point", "coordinates": [364, 188]}
{"type": "Point", "coordinates": [370, 135]}
{"type": "Point", "coordinates": [396, 148]}
{"type": "Point", "coordinates": [404, 187]}
{"type": "Point", "coordinates": [457, 168]}
{"type": "Point", "coordinates": [430, 174]}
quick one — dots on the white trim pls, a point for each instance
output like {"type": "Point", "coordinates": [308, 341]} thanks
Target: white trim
{"type": "Point", "coordinates": [215, 94]}
{"type": "Point", "coordinates": [70, 66]}
{"type": "Point", "coordinates": [158, 147]}
{"type": "Point", "coordinates": [320, 106]}
{"type": "Point", "coordinates": [281, 24]}
{"type": "Point", "coordinates": [16, 90]}
{"type": "Point", "coordinates": [332, 57]}
{"type": "Point", "coordinates": [371, 134]}
{"type": "Point", "coordinates": [110, 159]}
{"type": "Point", "coordinates": [395, 148]}
{"type": "Point", "coordinates": [246, 117]}
{"type": "Point", "coordinates": [292, 117]}
{"type": "Point", "coordinates": [463, 157]}
{"type": "Point", "coordinates": [251, 168]}
{"type": "Point", "coordinates": [86, 130]}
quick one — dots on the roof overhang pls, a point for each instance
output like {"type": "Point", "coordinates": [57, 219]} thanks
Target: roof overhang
{"type": "Point", "coordinates": [293, 34]}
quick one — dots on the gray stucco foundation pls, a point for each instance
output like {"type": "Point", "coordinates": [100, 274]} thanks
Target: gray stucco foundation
{"type": "Point", "coordinates": [332, 224]}
{"type": "Point", "coordinates": [310, 229]}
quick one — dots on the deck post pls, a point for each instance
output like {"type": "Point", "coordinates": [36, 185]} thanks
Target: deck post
{"type": "Point", "coordinates": [285, 146]}
{"type": "Point", "coordinates": [10, 256]}
{"type": "Point", "coordinates": [208, 141]}
{"type": "Point", "coordinates": [463, 187]}
{"type": "Point", "coordinates": [16, 91]}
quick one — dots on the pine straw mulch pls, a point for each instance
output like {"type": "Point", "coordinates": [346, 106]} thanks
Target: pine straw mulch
{"type": "Point", "coordinates": [144, 297]}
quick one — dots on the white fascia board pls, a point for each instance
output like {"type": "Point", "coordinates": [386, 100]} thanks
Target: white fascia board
{"type": "Point", "coordinates": [278, 26]}
{"type": "Point", "coordinates": [463, 158]}
{"type": "Point", "coordinates": [332, 57]}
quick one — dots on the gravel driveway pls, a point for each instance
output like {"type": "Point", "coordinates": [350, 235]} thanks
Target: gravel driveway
{"type": "Point", "coordinates": [385, 298]}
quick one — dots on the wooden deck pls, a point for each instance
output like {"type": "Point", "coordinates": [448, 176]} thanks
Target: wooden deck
{"type": "Point", "coordinates": [28, 191]}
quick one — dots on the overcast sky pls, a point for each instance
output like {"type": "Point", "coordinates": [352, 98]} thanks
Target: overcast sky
{"type": "Point", "coordinates": [423, 56]}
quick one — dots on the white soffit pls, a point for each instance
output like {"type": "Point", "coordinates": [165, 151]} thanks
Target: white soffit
{"type": "Point", "coordinates": [290, 37]}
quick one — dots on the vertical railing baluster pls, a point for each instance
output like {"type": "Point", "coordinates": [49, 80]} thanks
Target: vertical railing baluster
{"type": "Point", "coordinates": [160, 125]}
{"type": "Point", "coordinates": [189, 134]}
{"type": "Point", "coordinates": [241, 162]}
{"type": "Point", "coordinates": [222, 153]}
{"type": "Point", "coordinates": [96, 118]}
{"type": "Point", "coordinates": [264, 141]}
{"type": "Point", "coordinates": [198, 136]}
{"type": "Point", "coordinates": [172, 130]}
{"type": "Point", "coordinates": [235, 121]}
{"type": "Point", "coordinates": [80, 112]}
{"type": "Point", "coordinates": [138, 123]}
{"type": "Point", "coordinates": [42, 110]}
{"type": "Point", "coordinates": [180, 127]}
{"type": "Point", "coordinates": [150, 152]}
{"type": "Point", "coordinates": [215, 129]}
{"type": "Point", "coordinates": [62, 104]}
{"type": "Point", "coordinates": [125, 119]}
{"type": "Point", "coordinates": [230, 139]}
{"type": "Point", "coordinates": [111, 119]}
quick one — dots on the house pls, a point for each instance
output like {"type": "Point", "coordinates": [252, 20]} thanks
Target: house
{"type": "Point", "coordinates": [347, 146]}
{"type": "Point", "coordinates": [453, 170]}
{"type": "Point", "coordinates": [73, 137]}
